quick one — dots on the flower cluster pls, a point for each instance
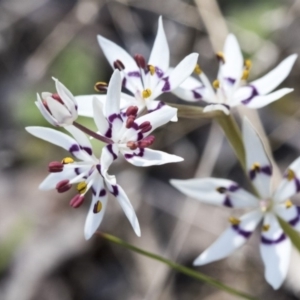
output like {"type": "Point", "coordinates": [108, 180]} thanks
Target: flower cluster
{"type": "Point", "coordinates": [125, 122]}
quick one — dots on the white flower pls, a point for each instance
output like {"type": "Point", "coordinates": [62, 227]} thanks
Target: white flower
{"type": "Point", "coordinates": [86, 174]}
{"type": "Point", "coordinates": [58, 109]}
{"type": "Point", "coordinates": [129, 135]}
{"type": "Point", "coordinates": [275, 246]}
{"type": "Point", "coordinates": [230, 88]}
{"type": "Point", "coordinates": [146, 81]}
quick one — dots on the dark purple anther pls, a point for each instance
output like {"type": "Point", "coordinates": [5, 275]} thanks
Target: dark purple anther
{"type": "Point", "coordinates": [119, 65]}
{"type": "Point", "coordinates": [145, 127]}
{"type": "Point", "coordinates": [101, 86]}
{"type": "Point", "coordinates": [57, 98]}
{"type": "Point", "coordinates": [55, 167]}
{"type": "Point", "coordinates": [77, 201]}
{"type": "Point", "coordinates": [132, 111]}
{"type": "Point", "coordinates": [146, 142]}
{"type": "Point", "coordinates": [140, 61]}
{"type": "Point", "coordinates": [129, 122]}
{"type": "Point", "coordinates": [63, 186]}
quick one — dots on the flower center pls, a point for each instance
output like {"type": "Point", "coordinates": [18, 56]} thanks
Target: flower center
{"type": "Point", "coordinates": [265, 205]}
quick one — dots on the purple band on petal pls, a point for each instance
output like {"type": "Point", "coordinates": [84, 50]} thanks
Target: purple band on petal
{"type": "Point", "coordinates": [140, 154]}
{"type": "Point", "coordinates": [267, 241]}
{"type": "Point", "coordinates": [109, 148]}
{"type": "Point", "coordinates": [252, 174]}
{"type": "Point", "coordinates": [244, 233]}
{"type": "Point", "coordinates": [266, 170]}
{"type": "Point", "coordinates": [98, 167]}
{"type": "Point", "coordinates": [93, 191]}
{"type": "Point", "coordinates": [102, 193]}
{"type": "Point", "coordinates": [167, 86]}
{"type": "Point", "coordinates": [134, 74]}
{"type": "Point", "coordinates": [196, 94]}
{"type": "Point", "coordinates": [87, 149]}
{"type": "Point", "coordinates": [74, 148]}
{"type": "Point", "coordinates": [159, 106]}
{"type": "Point", "coordinates": [108, 133]}
{"type": "Point", "coordinates": [77, 171]}
{"type": "Point", "coordinates": [227, 202]}
{"type": "Point", "coordinates": [233, 188]}
{"type": "Point", "coordinates": [230, 80]}
{"type": "Point", "coordinates": [254, 93]}
{"type": "Point", "coordinates": [124, 82]}
{"type": "Point", "coordinates": [159, 72]}
{"type": "Point", "coordinates": [112, 117]}
{"type": "Point", "coordinates": [297, 183]}
{"type": "Point", "coordinates": [294, 221]}
{"type": "Point", "coordinates": [115, 190]}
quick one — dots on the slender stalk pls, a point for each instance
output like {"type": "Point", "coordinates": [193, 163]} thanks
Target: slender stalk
{"type": "Point", "coordinates": [180, 268]}
{"type": "Point", "coordinates": [93, 134]}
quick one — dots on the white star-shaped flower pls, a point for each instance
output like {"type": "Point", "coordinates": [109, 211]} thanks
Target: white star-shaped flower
{"type": "Point", "coordinates": [275, 246]}
{"type": "Point", "coordinates": [230, 88]}
{"type": "Point", "coordinates": [58, 109]}
{"type": "Point", "coordinates": [145, 81]}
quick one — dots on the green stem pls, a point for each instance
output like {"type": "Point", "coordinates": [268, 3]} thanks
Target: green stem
{"type": "Point", "coordinates": [182, 269]}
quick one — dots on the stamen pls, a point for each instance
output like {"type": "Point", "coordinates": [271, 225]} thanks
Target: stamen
{"type": "Point", "coordinates": [131, 111]}
{"type": "Point", "coordinates": [100, 86]}
{"type": "Point", "coordinates": [67, 160]}
{"type": "Point", "coordinates": [266, 227]}
{"type": "Point", "coordinates": [221, 189]}
{"type": "Point", "coordinates": [245, 74]}
{"type": "Point", "coordinates": [63, 186]}
{"type": "Point", "coordinates": [145, 127]}
{"type": "Point", "coordinates": [55, 167]}
{"type": "Point", "coordinates": [197, 69]}
{"type": "Point", "coordinates": [97, 207]}
{"type": "Point", "coordinates": [129, 122]}
{"type": "Point", "coordinates": [248, 64]}
{"type": "Point", "coordinates": [77, 201]}
{"type": "Point", "coordinates": [234, 221]}
{"type": "Point", "coordinates": [132, 145]}
{"type": "Point", "coordinates": [288, 204]}
{"type": "Point", "coordinates": [256, 167]}
{"type": "Point", "coordinates": [140, 61]}
{"type": "Point", "coordinates": [151, 69]}
{"type": "Point", "coordinates": [290, 175]}
{"type": "Point", "coordinates": [216, 84]}
{"type": "Point", "coordinates": [119, 65]}
{"type": "Point", "coordinates": [220, 57]}
{"type": "Point", "coordinates": [146, 93]}
{"type": "Point", "coordinates": [146, 142]}
{"type": "Point", "coordinates": [81, 187]}
{"type": "Point", "coordinates": [57, 98]}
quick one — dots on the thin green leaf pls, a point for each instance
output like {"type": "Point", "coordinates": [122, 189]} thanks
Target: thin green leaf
{"type": "Point", "coordinates": [291, 233]}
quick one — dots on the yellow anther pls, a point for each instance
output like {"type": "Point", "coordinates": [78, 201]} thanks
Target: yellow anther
{"type": "Point", "coordinates": [245, 74]}
{"type": "Point", "coordinates": [290, 175]}
{"type": "Point", "coordinates": [97, 207]}
{"type": "Point", "coordinates": [220, 56]}
{"type": "Point", "coordinates": [255, 167]}
{"type": "Point", "coordinates": [146, 93]}
{"type": "Point", "coordinates": [288, 204]}
{"type": "Point", "coordinates": [81, 187]}
{"type": "Point", "coordinates": [234, 221]}
{"type": "Point", "coordinates": [248, 64]}
{"type": "Point", "coordinates": [221, 189]}
{"type": "Point", "coordinates": [67, 160]}
{"type": "Point", "coordinates": [266, 227]}
{"type": "Point", "coordinates": [197, 70]}
{"type": "Point", "coordinates": [216, 84]}
{"type": "Point", "coordinates": [100, 86]}
{"type": "Point", "coordinates": [151, 69]}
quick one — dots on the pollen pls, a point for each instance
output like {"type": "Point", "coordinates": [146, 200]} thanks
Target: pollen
{"type": "Point", "coordinates": [265, 227]}
{"type": "Point", "coordinates": [197, 70]}
{"type": "Point", "coordinates": [221, 189]}
{"type": "Point", "coordinates": [67, 160]}
{"type": "Point", "coordinates": [151, 69]}
{"type": "Point", "coordinates": [97, 207]}
{"type": "Point", "coordinates": [220, 56]}
{"type": "Point", "coordinates": [256, 167]}
{"type": "Point", "coordinates": [146, 93]}
{"type": "Point", "coordinates": [81, 187]}
{"type": "Point", "coordinates": [290, 175]}
{"type": "Point", "coordinates": [234, 221]}
{"type": "Point", "coordinates": [216, 84]}
{"type": "Point", "coordinates": [248, 64]}
{"type": "Point", "coordinates": [245, 74]}
{"type": "Point", "coordinates": [288, 204]}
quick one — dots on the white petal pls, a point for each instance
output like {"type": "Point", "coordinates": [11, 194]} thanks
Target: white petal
{"type": "Point", "coordinates": [263, 100]}
{"type": "Point", "coordinates": [94, 220]}
{"type": "Point", "coordinates": [256, 154]}
{"type": "Point", "coordinates": [59, 112]}
{"type": "Point", "coordinates": [112, 103]}
{"type": "Point", "coordinates": [128, 209]}
{"type": "Point", "coordinates": [108, 155]}
{"type": "Point", "coordinates": [233, 238]}
{"type": "Point", "coordinates": [205, 190]}
{"type": "Point", "coordinates": [149, 157]}
{"type": "Point", "coordinates": [99, 117]}
{"type": "Point", "coordinates": [45, 112]}
{"type": "Point", "coordinates": [160, 54]}
{"type": "Point", "coordinates": [85, 104]}
{"type": "Point", "coordinates": [270, 81]}
{"type": "Point", "coordinates": [291, 214]}
{"type": "Point", "coordinates": [233, 66]}
{"type": "Point", "coordinates": [275, 250]}
{"type": "Point", "coordinates": [213, 107]}
{"type": "Point", "coordinates": [289, 186]}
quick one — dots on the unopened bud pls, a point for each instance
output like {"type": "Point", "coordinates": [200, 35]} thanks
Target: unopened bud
{"type": "Point", "coordinates": [63, 186]}
{"type": "Point", "coordinates": [119, 65]}
{"type": "Point", "coordinates": [77, 201]}
{"type": "Point", "coordinates": [140, 61]}
{"type": "Point", "coordinates": [55, 167]}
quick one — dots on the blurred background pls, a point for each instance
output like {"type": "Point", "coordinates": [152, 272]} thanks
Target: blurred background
{"type": "Point", "coordinates": [43, 254]}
